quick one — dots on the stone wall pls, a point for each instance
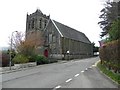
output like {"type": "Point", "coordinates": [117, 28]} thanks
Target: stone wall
{"type": "Point", "coordinates": [76, 49]}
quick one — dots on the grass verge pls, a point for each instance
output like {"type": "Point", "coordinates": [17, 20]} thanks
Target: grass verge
{"type": "Point", "coordinates": [114, 76]}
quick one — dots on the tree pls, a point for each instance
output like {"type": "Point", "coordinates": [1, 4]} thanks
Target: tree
{"type": "Point", "coordinates": [114, 32]}
{"type": "Point", "coordinates": [27, 44]}
{"type": "Point", "coordinates": [110, 12]}
{"type": "Point", "coordinates": [13, 53]}
{"type": "Point", "coordinates": [34, 39]}
{"type": "Point", "coordinates": [17, 39]}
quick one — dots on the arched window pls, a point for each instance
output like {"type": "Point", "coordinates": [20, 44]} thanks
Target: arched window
{"type": "Point", "coordinates": [40, 23]}
{"type": "Point", "coordinates": [29, 25]}
{"type": "Point", "coordinates": [45, 23]}
{"type": "Point", "coordinates": [32, 23]}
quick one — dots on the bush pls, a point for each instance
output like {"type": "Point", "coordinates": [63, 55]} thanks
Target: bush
{"type": "Point", "coordinates": [110, 55]}
{"type": "Point", "coordinates": [19, 59]}
{"type": "Point", "coordinates": [32, 58]}
{"type": "Point", "coordinates": [41, 60]}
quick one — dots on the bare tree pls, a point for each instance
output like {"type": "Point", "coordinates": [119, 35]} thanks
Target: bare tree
{"type": "Point", "coordinates": [34, 38]}
{"type": "Point", "coordinates": [27, 43]}
{"type": "Point", "coordinates": [16, 38]}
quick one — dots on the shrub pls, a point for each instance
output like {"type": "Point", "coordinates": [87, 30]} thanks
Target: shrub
{"type": "Point", "coordinates": [19, 59]}
{"type": "Point", "coordinates": [32, 58]}
{"type": "Point", "coordinates": [41, 60]}
{"type": "Point", "coordinates": [109, 54]}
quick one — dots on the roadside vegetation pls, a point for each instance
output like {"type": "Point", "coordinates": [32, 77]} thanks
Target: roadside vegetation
{"type": "Point", "coordinates": [109, 50]}
{"type": "Point", "coordinates": [25, 48]}
{"type": "Point", "coordinates": [109, 73]}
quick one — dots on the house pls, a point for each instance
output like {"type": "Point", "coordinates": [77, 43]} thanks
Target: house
{"type": "Point", "coordinates": [60, 41]}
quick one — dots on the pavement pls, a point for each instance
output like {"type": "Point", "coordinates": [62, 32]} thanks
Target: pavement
{"type": "Point", "coordinates": [17, 67]}
{"type": "Point", "coordinates": [20, 67]}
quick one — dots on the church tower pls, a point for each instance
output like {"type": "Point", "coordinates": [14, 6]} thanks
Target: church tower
{"type": "Point", "coordinates": [36, 21]}
{"type": "Point", "coordinates": [35, 26]}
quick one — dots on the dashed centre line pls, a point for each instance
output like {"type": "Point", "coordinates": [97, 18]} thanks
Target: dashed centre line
{"type": "Point", "coordinates": [90, 67]}
{"type": "Point", "coordinates": [68, 80]}
{"type": "Point", "coordinates": [58, 87]}
{"type": "Point", "coordinates": [82, 71]}
{"type": "Point", "coordinates": [77, 75]}
{"type": "Point", "coordinates": [86, 69]}
{"type": "Point", "coordinates": [93, 65]}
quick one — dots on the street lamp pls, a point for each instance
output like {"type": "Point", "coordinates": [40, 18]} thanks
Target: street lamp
{"type": "Point", "coordinates": [11, 49]}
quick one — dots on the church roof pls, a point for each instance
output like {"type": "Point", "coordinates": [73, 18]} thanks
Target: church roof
{"type": "Point", "coordinates": [71, 33]}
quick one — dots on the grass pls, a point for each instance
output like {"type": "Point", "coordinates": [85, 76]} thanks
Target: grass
{"type": "Point", "coordinates": [112, 75]}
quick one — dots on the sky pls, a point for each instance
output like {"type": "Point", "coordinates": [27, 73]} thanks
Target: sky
{"type": "Point", "coordinates": [82, 15]}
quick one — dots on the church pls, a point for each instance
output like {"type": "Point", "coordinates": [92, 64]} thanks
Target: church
{"type": "Point", "coordinates": [60, 41]}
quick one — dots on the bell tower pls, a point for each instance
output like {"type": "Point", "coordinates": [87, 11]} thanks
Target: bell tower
{"type": "Point", "coordinates": [35, 27]}
{"type": "Point", "coordinates": [36, 21]}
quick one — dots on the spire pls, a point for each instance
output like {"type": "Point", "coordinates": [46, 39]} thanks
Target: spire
{"type": "Point", "coordinates": [38, 10]}
{"type": "Point", "coordinates": [27, 14]}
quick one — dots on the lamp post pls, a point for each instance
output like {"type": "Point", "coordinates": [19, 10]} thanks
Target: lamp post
{"type": "Point", "coordinates": [11, 49]}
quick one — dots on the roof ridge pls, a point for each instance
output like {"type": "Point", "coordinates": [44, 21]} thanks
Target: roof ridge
{"type": "Point", "coordinates": [69, 27]}
{"type": "Point", "coordinates": [56, 27]}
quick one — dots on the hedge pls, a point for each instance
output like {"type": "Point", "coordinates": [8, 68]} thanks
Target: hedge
{"type": "Point", "coordinates": [110, 55]}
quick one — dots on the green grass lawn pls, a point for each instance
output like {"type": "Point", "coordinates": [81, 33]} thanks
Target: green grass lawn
{"type": "Point", "coordinates": [112, 75]}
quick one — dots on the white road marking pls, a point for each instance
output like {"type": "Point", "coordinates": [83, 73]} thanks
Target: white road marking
{"type": "Point", "coordinates": [97, 63]}
{"type": "Point", "coordinates": [77, 75]}
{"type": "Point", "coordinates": [90, 67]}
{"type": "Point", "coordinates": [68, 80]}
{"type": "Point", "coordinates": [82, 71]}
{"type": "Point", "coordinates": [58, 87]}
{"type": "Point", "coordinates": [93, 65]}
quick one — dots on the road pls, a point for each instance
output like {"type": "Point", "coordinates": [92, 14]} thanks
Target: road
{"type": "Point", "coordinates": [72, 74]}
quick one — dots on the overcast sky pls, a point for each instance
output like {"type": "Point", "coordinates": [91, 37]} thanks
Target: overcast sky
{"type": "Point", "coordinates": [82, 15]}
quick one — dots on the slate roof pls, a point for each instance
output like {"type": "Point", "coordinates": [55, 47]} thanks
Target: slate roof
{"type": "Point", "coordinates": [71, 33]}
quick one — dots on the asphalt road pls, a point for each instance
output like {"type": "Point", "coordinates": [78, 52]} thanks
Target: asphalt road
{"type": "Point", "coordinates": [72, 74]}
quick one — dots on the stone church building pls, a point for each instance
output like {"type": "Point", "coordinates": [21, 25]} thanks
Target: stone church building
{"type": "Point", "coordinates": [60, 41]}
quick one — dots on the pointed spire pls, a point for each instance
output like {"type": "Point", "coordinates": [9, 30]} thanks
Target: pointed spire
{"type": "Point", "coordinates": [27, 13]}
{"type": "Point", "coordinates": [38, 10]}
